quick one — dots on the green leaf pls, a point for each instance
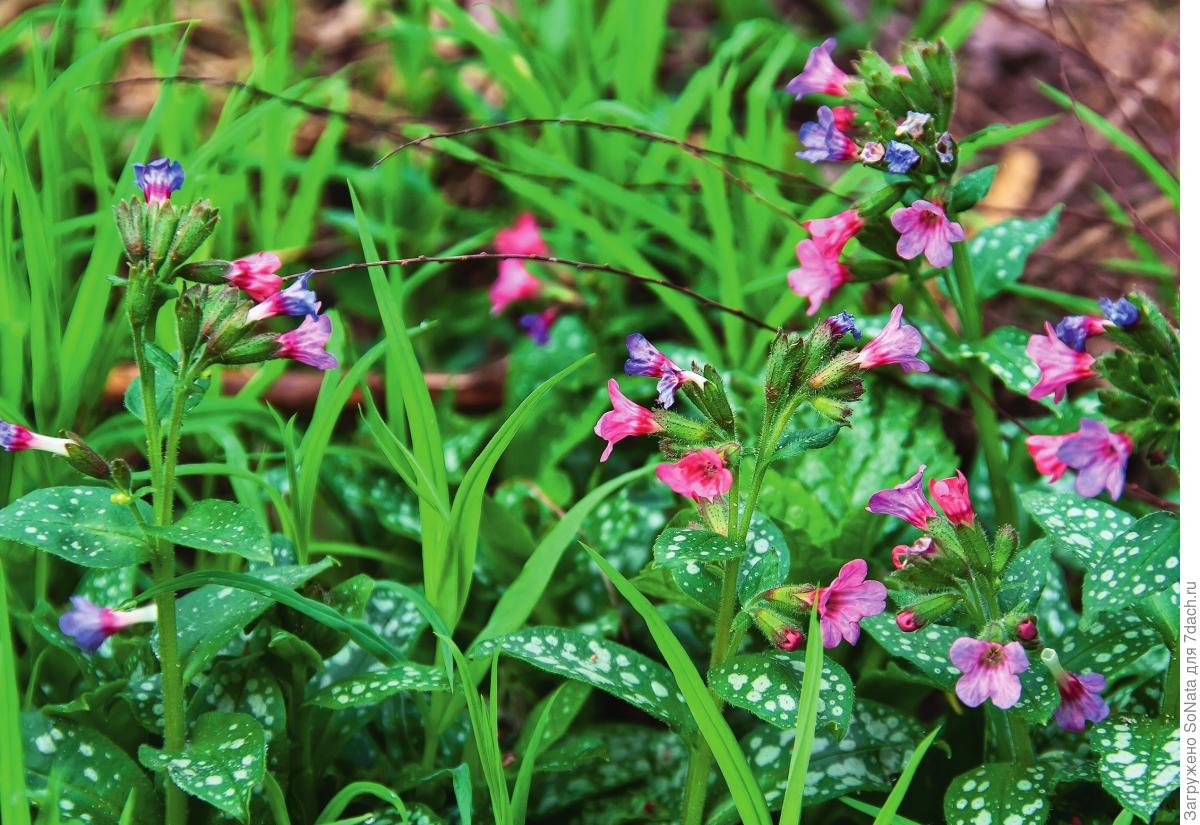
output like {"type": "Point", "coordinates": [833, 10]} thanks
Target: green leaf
{"type": "Point", "coordinates": [245, 685]}
{"type": "Point", "coordinates": [769, 684]}
{"type": "Point", "coordinates": [621, 671]}
{"type": "Point", "coordinates": [1003, 353]}
{"type": "Point", "coordinates": [224, 758]}
{"type": "Point", "coordinates": [997, 134]}
{"type": "Point", "coordinates": [1004, 793]}
{"type": "Point", "coordinates": [1039, 694]}
{"type": "Point", "coordinates": [801, 441]}
{"type": "Point", "coordinates": [1142, 561]}
{"type": "Point", "coordinates": [377, 685]}
{"type": "Point", "coordinates": [219, 526]}
{"type": "Point", "coordinates": [927, 648]}
{"type": "Point", "coordinates": [970, 189]}
{"type": "Point", "coordinates": [394, 618]}
{"type": "Point", "coordinates": [80, 524]}
{"type": "Point", "coordinates": [888, 813]}
{"type": "Point", "coordinates": [806, 727]}
{"type": "Point", "coordinates": [767, 560]}
{"type": "Point", "coordinates": [1026, 575]}
{"type": "Point", "coordinates": [90, 775]}
{"type": "Point", "coordinates": [166, 370]}
{"type": "Point", "coordinates": [699, 583]}
{"type": "Point", "coordinates": [998, 253]}
{"type": "Point", "coordinates": [1085, 526]}
{"type": "Point", "coordinates": [677, 546]}
{"type": "Point", "coordinates": [1107, 647]}
{"type": "Point", "coordinates": [1139, 761]}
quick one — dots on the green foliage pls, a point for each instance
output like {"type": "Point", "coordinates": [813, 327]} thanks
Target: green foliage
{"type": "Point", "coordinates": [769, 686]}
{"type": "Point", "coordinates": [1006, 791]}
{"type": "Point", "coordinates": [1139, 761]}
{"type": "Point", "coordinates": [998, 253]}
{"type": "Point", "coordinates": [80, 524]}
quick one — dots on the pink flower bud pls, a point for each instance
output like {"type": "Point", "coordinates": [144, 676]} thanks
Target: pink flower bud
{"type": "Point", "coordinates": [908, 621]}
{"type": "Point", "coordinates": [952, 496]}
{"type": "Point", "coordinates": [789, 639]}
{"type": "Point", "coordinates": [1027, 630]}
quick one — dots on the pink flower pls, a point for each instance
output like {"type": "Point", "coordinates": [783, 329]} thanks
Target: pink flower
{"type": "Point", "coordinates": [903, 555]}
{"type": "Point", "coordinates": [898, 343]}
{"type": "Point", "coordinates": [89, 624]}
{"type": "Point", "coordinates": [1060, 365]}
{"type": "Point", "coordinates": [306, 343]}
{"type": "Point", "coordinates": [789, 639]}
{"type": "Point", "coordinates": [645, 359]}
{"type": "Point", "coordinates": [698, 475]}
{"type": "Point", "coordinates": [923, 227]}
{"type": "Point", "coordinates": [15, 438]}
{"type": "Point", "coordinates": [255, 275]}
{"type": "Point", "coordinates": [514, 283]}
{"type": "Point", "coordinates": [537, 325]}
{"type": "Point", "coordinates": [1099, 456]}
{"type": "Point", "coordinates": [1044, 450]}
{"type": "Point", "coordinates": [824, 141]}
{"type": "Point", "coordinates": [1081, 701]}
{"type": "Point", "coordinates": [904, 501]}
{"type": "Point", "coordinates": [297, 299]}
{"type": "Point", "coordinates": [848, 600]}
{"type": "Point", "coordinates": [952, 496]}
{"type": "Point", "coordinates": [989, 671]}
{"type": "Point", "coordinates": [821, 271]}
{"type": "Point", "coordinates": [1027, 629]}
{"type": "Point", "coordinates": [623, 420]}
{"type": "Point", "coordinates": [820, 75]}
{"type": "Point", "coordinates": [522, 238]}
{"type": "Point", "coordinates": [908, 621]}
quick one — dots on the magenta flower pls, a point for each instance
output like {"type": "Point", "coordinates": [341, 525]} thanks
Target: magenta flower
{"type": "Point", "coordinates": [538, 324]}
{"type": "Point", "coordinates": [296, 300]}
{"type": "Point", "coordinates": [522, 238]}
{"type": "Point", "coordinates": [824, 141]}
{"type": "Point", "coordinates": [789, 639]}
{"type": "Point", "coordinates": [821, 271]}
{"type": "Point", "coordinates": [514, 283]}
{"type": "Point", "coordinates": [1060, 365]}
{"type": "Point", "coordinates": [820, 75]}
{"type": "Point", "coordinates": [89, 624]}
{"type": "Point", "coordinates": [898, 343]}
{"type": "Point", "coordinates": [1080, 701]}
{"type": "Point", "coordinates": [14, 438]}
{"type": "Point", "coordinates": [1099, 457]}
{"type": "Point", "coordinates": [699, 475]}
{"type": "Point", "coordinates": [255, 275]}
{"type": "Point", "coordinates": [903, 555]}
{"type": "Point", "coordinates": [989, 671]}
{"type": "Point", "coordinates": [924, 227]}
{"type": "Point", "coordinates": [645, 359]}
{"type": "Point", "coordinates": [306, 343]}
{"type": "Point", "coordinates": [623, 420]}
{"type": "Point", "coordinates": [1044, 451]}
{"type": "Point", "coordinates": [908, 621]}
{"type": "Point", "coordinates": [158, 179]}
{"type": "Point", "coordinates": [849, 599]}
{"type": "Point", "coordinates": [904, 501]}
{"type": "Point", "coordinates": [1074, 330]}
{"type": "Point", "coordinates": [952, 496]}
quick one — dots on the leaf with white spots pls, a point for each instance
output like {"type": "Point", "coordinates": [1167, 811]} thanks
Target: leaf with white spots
{"type": "Point", "coordinates": [224, 758]}
{"type": "Point", "coordinates": [1001, 793]}
{"type": "Point", "coordinates": [91, 777]}
{"type": "Point", "coordinates": [679, 545]}
{"type": "Point", "coordinates": [616, 669]}
{"type": "Point", "coordinates": [927, 648]}
{"type": "Point", "coordinates": [1003, 353]}
{"type": "Point", "coordinates": [998, 253]}
{"type": "Point", "coordinates": [1142, 561]}
{"type": "Point", "coordinates": [1039, 694]}
{"type": "Point", "coordinates": [767, 560]}
{"type": "Point", "coordinates": [219, 527]}
{"type": "Point", "coordinates": [377, 685]}
{"type": "Point", "coordinates": [1106, 647]}
{"type": "Point", "coordinates": [698, 582]}
{"type": "Point", "coordinates": [1139, 761]}
{"type": "Point", "coordinates": [1026, 575]}
{"type": "Point", "coordinates": [81, 524]}
{"type": "Point", "coordinates": [249, 687]}
{"type": "Point", "coordinates": [1083, 525]}
{"type": "Point", "coordinates": [768, 685]}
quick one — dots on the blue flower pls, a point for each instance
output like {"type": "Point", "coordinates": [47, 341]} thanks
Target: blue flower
{"type": "Point", "coordinates": [824, 141]}
{"type": "Point", "coordinates": [296, 300]}
{"type": "Point", "coordinates": [1121, 312]}
{"type": "Point", "coordinates": [944, 147]}
{"type": "Point", "coordinates": [842, 323]}
{"type": "Point", "coordinates": [158, 179]}
{"type": "Point", "coordinates": [900, 157]}
{"type": "Point", "coordinates": [1074, 330]}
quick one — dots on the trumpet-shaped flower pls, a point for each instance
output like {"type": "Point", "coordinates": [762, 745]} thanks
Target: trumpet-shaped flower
{"type": "Point", "coordinates": [872, 152]}
{"type": "Point", "coordinates": [820, 75]}
{"type": "Point", "coordinates": [1121, 312]}
{"type": "Point", "coordinates": [1074, 330]}
{"type": "Point", "coordinates": [15, 438]}
{"type": "Point", "coordinates": [944, 148]}
{"type": "Point", "coordinates": [924, 227]}
{"type": "Point", "coordinates": [1044, 451]}
{"type": "Point", "coordinates": [1060, 365]}
{"type": "Point", "coordinates": [1099, 458]}
{"type": "Point", "coordinates": [821, 270]}
{"type": "Point", "coordinates": [297, 300]}
{"type": "Point", "coordinates": [898, 343]}
{"type": "Point", "coordinates": [952, 496]}
{"type": "Point", "coordinates": [904, 501]}
{"type": "Point", "coordinates": [645, 359]}
{"type": "Point", "coordinates": [158, 179]}
{"type": "Point", "coordinates": [623, 420]}
{"type": "Point", "coordinates": [848, 599]}
{"type": "Point", "coordinates": [523, 237]}
{"type": "Point", "coordinates": [989, 671]}
{"type": "Point", "coordinates": [514, 283]}
{"type": "Point", "coordinates": [903, 555]}
{"type": "Point", "coordinates": [824, 141]}
{"type": "Point", "coordinates": [900, 157]}
{"type": "Point", "coordinates": [306, 343]}
{"type": "Point", "coordinates": [699, 476]}
{"type": "Point", "coordinates": [89, 624]}
{"type": "Point", "coordinates": [255, 275]}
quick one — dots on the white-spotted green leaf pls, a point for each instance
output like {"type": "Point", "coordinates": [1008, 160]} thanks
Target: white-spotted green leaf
{"type": "Point", "coordinates": [768, 685]}
{"type": "Point", "coordinates": [927, 648]}
{"type": "Point", "coordinates": [1084, 526]}
{"type": "Point", "coordinates": [1025, 577]}
{"type": "Point", "coordinates": [767, 560]}
{"type": "Point", "coordinates": [679, 545]}
{"type": "Point", "coordinates": [614, 668]}
{"type": "Point", "coordinates": [219, 527]}
{"type": "Point", "coordinates": [1039, 693]}
{"type": "Point", "coordinates": [998, 253]}
{"type": "Point", "coordinates": [1003, 353]}
{"type": "Point", "coordinates": [1001, 793]}
{"type": "Point", "coordinates": [81, 524]}
{"type": "Point", "coordinates": [249, 687]}
{"type": "Point", "coordinates": [1106, 647]}
{"type": "Point", "coordinates": [224, 758]}
{"type": "Point", "coordinates": [377, 685]}
{"type": "Point", "coordinates": [1138, 760]}
{"type": "Point", "coordinates": [393, 617]}
{"type": "Point", "coordinates": [1142, 561]}
{"type": "Point", "coordinates": [698, 582]}
{"type": "Point", "coordinates": [92, 778]}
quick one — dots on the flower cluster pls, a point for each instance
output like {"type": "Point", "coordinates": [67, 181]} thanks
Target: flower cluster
{"type": "Point", "coordinates": [781, 612]}
{"type": "Point", "coordinates": [515, 284]}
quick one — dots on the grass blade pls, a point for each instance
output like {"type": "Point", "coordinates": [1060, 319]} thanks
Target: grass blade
{"type": "Point", "coordinates": [806, 724]}
{"type": "Point", "coordinates": [887, 814]}
{"type": "Point", "coordinates": [14, 807]}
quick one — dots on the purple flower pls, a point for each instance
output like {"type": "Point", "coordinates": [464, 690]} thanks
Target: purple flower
{"type": "Point", "coordinates": [900, 157]}
{"type": "Point", "coordinates": [824, 141]}
{"type": "Point", "coordinates": [842, 323]}
{"type": "Point", "coordinates": [989, 671]}
{"type": "Point", "coordinates": [645, 359]}
{"type": "Point", "coordinates": [1081, 702]}
{"type": "Point", "coordinates": [924, 227]}
{"type": "Point", "coordinates": [820, 75]}
{"type": "Point", "coordinates": [848, 600]}
{"type": "Point", "coordinates": [14, 438]}
{"type": "Point", "coordinates": [1099, 456]}
{"type": "Point", "coordinates": [913, 125]}
{"type": "Point", "coordinates": [898, 343]}
{"type": "Point", "coordinates": [158, 179]}
{"type": "Point", "coordinates": [89, 624]}
{"type": "Point", "coordinates": [537, 324]}
{"type": "Point", "coordinates": [297, 300]}
{"type": "Point", "coordinates": [944, 147]}
{"type": "Point", "coordinates": [1121, 312]}
{"type": "Point", "coordinates": [306, 343]}
{"type": "Point", "coordinates": [904, 501]}
{"type": "Point", "coordinates": [1074, 330]}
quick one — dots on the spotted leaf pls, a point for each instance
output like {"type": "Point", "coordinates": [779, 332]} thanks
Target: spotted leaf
{"type": "Point", "coordinates": [377, 685]}
{"type": "Point", "coordinates": [219, 527]}
{"type": "Point", "coordinates": [927, 648]}
{"type": "Point", "coordinates": [1142, 561]}
{"type": "Point", "coordinates": [1106, 647]}
{"type": "Point", "coordinates": [768, 685]}
{"type": "Point", "coordinates": [1039, 694]}
{"type": "Point", "coordinates": [81, 524]}
{"type": "Point", "coordinates": [1139, 761]}
{"type": "Point", "coordinates": [1084, 526]}
{"type": "Point", "coordinates": [1001, 793]}
{"type": "Point", "coordinates": [614, 668]}
{"type": "Point", "coordinates": [680, 545]}
{"type": "Point", "coordinates": [767, 560]}
{"type": "Point", "coordinates": [698, 582]}
{"type": "Point", "coordinates": [998, 253]}
{"type": "Point", "coordinates": [1003, 353]}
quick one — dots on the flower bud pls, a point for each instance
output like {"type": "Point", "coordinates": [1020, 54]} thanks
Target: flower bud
{"type": "Point", "coordinates": [787, 350]}
{"type": "Point", "coordinates": [163, 221]}
{"type": "Point", "coordinates": [1027, 629]}
{"type": "Point", "coordinates": [908, 621]}
{"type": "Point", "coordinates": [253, 350]}
{"type": "Point", "coordinates": [841, 369]}
{"type": "Point", "coordinates": [131, 223]}
{"type": "Point", "coordinates": [189, 310]}
{"type": "Point", "coordinates": [926, 610]}
{"type": "Point", "coordinates": [84, 459]}
{"type": "Point", "coordinates": [878, 202]}
{"type": "Point", "coordinates": [683, 431]}
{"type": "Point", "coordinates": [141, 296]}
{"type": "Point", "coordinates": [121, 475]}
{"type": "Point", "coordinates": [214, 273]}
{"type": "Point", "coordinates": [1003, 547]}
{"type": "Point", "coordinates": [194, 229]}
{"type": "Point", "coordinates": [831, 409]}
{"type": "Point", "coordinates": [121, 498]}
{"type": "Point", "coordinates": [709, 397]}
{"type": "Point", "coordinates": [781, 632]}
